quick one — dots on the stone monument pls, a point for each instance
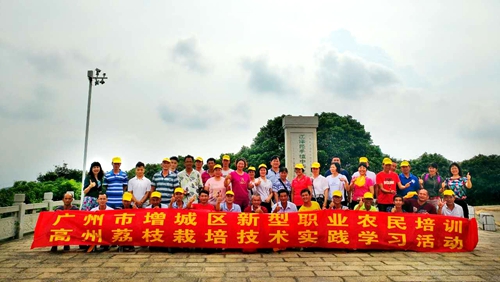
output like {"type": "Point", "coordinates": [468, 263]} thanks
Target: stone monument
{"type": "Point", "coordinates": [300, 142]}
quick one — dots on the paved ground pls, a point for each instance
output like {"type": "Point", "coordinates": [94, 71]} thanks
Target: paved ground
{"type": "Point", "coordinates": [18, 263]}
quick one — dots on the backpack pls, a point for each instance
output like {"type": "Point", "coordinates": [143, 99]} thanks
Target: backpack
{"type": "Point", "coordinates": [426, 176]}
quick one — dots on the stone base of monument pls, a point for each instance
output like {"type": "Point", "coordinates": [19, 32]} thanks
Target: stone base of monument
{"type": "Point", "coordinates": [472, 211]}
{"type": "Point", "coordinates": [487, 221]}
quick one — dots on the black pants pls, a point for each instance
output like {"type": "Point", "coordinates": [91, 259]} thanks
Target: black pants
{"type": "Point", "coordinates": [464, 206]}
{"type": "Point", "coordinates": [383, 207]}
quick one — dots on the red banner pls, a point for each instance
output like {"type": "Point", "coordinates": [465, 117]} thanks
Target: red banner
{"type": "Point", "coordinates": [202, 229]}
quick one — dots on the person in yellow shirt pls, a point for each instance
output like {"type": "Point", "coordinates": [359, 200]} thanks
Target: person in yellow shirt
{"type": "Point", "coordinates": [366, 203]}
{"type": "Point", "coordinates": [308, 204]}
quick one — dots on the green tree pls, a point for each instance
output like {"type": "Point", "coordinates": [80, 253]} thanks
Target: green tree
{"type": "Point", "coordinates": [34, 190]}
{"type": "Point", "coordinates": [150, 169]}
{"type": "Point", "coordinates": [346, 138]}
{"type": "Point", "coordinates": [61, 172]}
{"type": "Point", "coordinates": [338, 136]}
{"type": "Point", "coordinates": [484, 171]}
{"type": "Point", "coordinates": [420, 165]}
{"type": "Point", "coordinates": [269, 141]}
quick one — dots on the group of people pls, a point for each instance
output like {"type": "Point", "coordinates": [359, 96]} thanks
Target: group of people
{"type": "Point", "coordinates": [264, 189]}
{"type": "Point", "coordinates": [268, 190]}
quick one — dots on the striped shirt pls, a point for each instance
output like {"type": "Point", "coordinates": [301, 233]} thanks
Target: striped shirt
{"type": "Point", "coordinates": [114, 187]}
{"type": "Point", "coordinates": [165, 185]}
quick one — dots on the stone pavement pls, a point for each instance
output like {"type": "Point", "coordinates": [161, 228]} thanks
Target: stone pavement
{"type": "Point", "coordinates": [19, 263]}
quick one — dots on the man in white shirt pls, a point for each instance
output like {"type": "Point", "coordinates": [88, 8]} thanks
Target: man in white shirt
{"type": "Point", "coordinates": [225, 165]}
{"type": "Point", "coordinates": [448, 207]}
{"type": "Point", "coordinates": [102, 201]}
{"type": "Point", "coordinates": [284, 206]}
{"type": "Point", "coordinates": [140, 186]}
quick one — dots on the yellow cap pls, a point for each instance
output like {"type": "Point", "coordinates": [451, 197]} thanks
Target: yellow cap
{"type": "Point", "coordinates": [448, 193]}
{"type": "Point", "coordinates": [217, 166]}
{"type": "Point", "coordinates": [116, 160]}
{"type": "Point", "coordinates": [404, 163]}
{"type": "Point", "coordinates": [198, 159]}
{"type": "Point", "coordinates": [179, 190]}
{"type": "Point", "coordinates": [263, 165]}
{"type": "Point", "coordinates": [251, 168]}
{"type": "Point", "coordinates": [368, 195]}
{"type": "Point", "coordinates": [410, 194]}
{"type": "Point", "coordinates": [299, 165]}
{"type": "Point", "coordinates": [387, 161]}
{"type": "Point", "coordinates": [156, 194]}
{"type": "Point", "coordinates": [337, 193]}
{"type": "Point", "coordinates": [230, 192]}
{"type": "Point", "coordinates": [166, 160]}
{"type": "Point", "coordinates": [226, 157]}
{"type": "Point", "coordinates": [127, 197]}
{"type": "Point", "coordinates": [315, 165]}
{"type": "Point", "coordinates": [363, 160]}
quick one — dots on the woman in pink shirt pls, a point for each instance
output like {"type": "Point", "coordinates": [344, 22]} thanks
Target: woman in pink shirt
{"type": "Point", "coordinates": [215, 186]}
{"type": "Point", "coordinates": [360, 185]}
{"type": "Point", "coordinates": [240, 184]}
{"type": "Point", "coordinates": [301, 181]}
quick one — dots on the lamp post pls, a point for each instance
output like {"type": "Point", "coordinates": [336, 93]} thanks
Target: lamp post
{"type": "Point", "coordinates": [97, 80]}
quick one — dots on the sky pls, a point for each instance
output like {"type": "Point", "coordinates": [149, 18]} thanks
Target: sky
{"type": "Point", "coordinates": [202, 77]}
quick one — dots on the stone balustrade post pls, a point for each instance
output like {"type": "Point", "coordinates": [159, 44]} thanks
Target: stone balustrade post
{"type": "Point", "coordinates": [19, 201]}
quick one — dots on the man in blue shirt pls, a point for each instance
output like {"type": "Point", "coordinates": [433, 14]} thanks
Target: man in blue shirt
{"type": "Point", "coordinates": [116, 182]}
{"type": "Point", "coordinates": [406, 177]}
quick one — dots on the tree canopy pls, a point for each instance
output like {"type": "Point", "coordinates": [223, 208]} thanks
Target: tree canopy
{"type": "Point", "coordinates": [340, 136]}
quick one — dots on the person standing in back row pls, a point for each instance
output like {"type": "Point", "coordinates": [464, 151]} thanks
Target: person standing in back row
{"type": "Point", "coordinates": [432, 182]}
{"type": "Point", "coordinates": [239, 182]}
{"type": "Point", "coordinates": [140, 187]}
{"type": "Point", "coordinates": [457, 183]}
{"type": "Point", "coordinates": [273, 173]}
{"type": "Point", "coordinates": [116, 183]}
{"type": "Point", "coordinates": [387, 182]}
{"type": "Point", "coordinates": [93, 186]}
{"type": "Point", "coordinates": [300, 182]}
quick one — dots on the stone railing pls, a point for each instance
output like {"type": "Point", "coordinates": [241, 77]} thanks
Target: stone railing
{"type": "Point", "coordinates": [21, 218]}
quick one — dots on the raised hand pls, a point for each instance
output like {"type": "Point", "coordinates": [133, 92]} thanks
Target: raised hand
{"type": "Point", "coordinates": [468, 176]}
{"type": "Point", "coordinates": [441, 203]}
{"type": "Point", "coordinates": [92, 184]}
{"type": "Point", "coordinates": [277, 209]}
{"type": "Point", "coordinates": [192, 199]}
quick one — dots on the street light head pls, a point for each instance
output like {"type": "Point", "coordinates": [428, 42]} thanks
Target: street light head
{"type": "Point", "coordinates": [90, 74]}
{"type": "Point", "coordinates": [96, 83]}
{"type": "Point", "coordinates": [102, 82]}
{"type": "Point", "coordinates": [97, 71]}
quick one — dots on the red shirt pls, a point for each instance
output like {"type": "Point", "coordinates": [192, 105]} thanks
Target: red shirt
{"type": "Point", "coordinates": [298, 185]}
{"type": "Point", "coordinates": [389, 182]}
{"type": "Point", "coordinates": [205, 207]}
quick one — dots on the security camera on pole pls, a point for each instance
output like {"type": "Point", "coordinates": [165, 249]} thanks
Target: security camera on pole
{"type": "Point", "coordinates": [97, 80]}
